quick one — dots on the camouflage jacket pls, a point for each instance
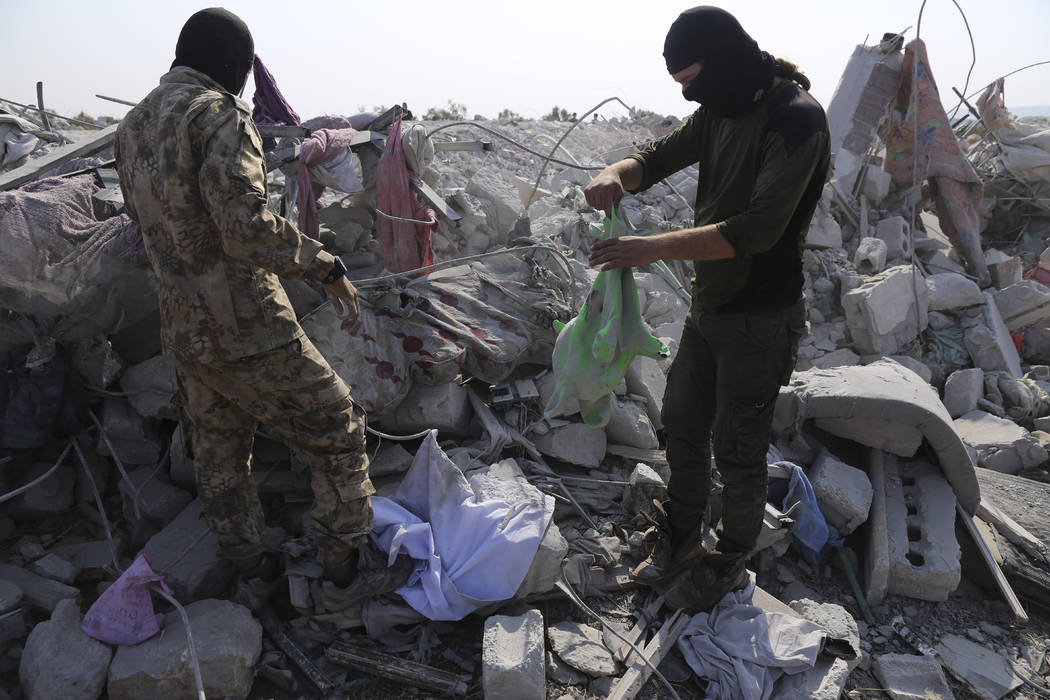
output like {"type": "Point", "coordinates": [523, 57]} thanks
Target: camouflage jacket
{"type": "Point", "coordinates": [191, 167]}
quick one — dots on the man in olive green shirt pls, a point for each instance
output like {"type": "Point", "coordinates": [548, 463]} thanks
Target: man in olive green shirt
{"type": "Point", "coordinates": [762, 145]}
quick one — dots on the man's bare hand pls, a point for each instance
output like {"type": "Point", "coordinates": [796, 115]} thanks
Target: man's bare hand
{"type": "Point", "coordinates": [343, 296]}
{"type": "Point", "coordinates": [625, 251]}
{"type": "Point", "coordinates": [605, 191]}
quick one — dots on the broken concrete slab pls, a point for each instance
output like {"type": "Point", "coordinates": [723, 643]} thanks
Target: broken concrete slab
{"type": "Point", "coordinates": [843, 492]}
{"type": "Point", "coordinates": [914, 365]}
{"type": "Point", "coordinates": [645, 378]}
{"type": "Point", "coordinates": [581, 647]}
{"type": "Point", "coordinates": [962, 390]}
{"type": "Point", "coordinates": [512, 657]}
{"type": "Point", "coordinates": [55, 568]}
{"type": "Point", "coordinates": [545, 569]}
{"type": "Point", "coordinates": [1001, 444]}
{"type": "Point", "coordinates": [560, 672]}
{"type": "Point", "coordinates": [1004, 269]}
{"type": "Point", "coordinates": [151, 387]}
{"type": "Point", "coordinates": [186, 554]}
{"type": "Point", "coordinates": [884, 391]}
{"type": "Point", "coordinates": [825, 681]}
{"type": "Point", "coordinates": [42, 594]}
{"type": "Point", "coordinates": [988, 674]}
{"type": "Point", "coordinates": [835, 619]}
{"type": "Point", "coordinates": [575, 443]}
{"type": "Point", "coordinates": [60, 661]}
{"type": "Point", "coordinates": [646, 485]}
{"type": "Point", "coordinates": [950, 290]}
{"type": "Point", "coordinates": [158, 500]}
{"type": "Point", "coordinates": [52, 496]}
{"type": "Point", "coordinates": [911, 677]}
{"type": "Point", "coordinates": [882, 314]}
{"type": "Point", "coordinates": [629, 425]}
{"type": "Point", "coordinates": [228, 641]}
{"type": "Point", "coordinates": [1023, 304]}
{"type": "Point", "coordinates": [920, 522]}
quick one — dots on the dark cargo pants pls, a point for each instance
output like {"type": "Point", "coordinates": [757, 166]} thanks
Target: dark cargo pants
{"type": "Point", "coordinates": [293, 391]}
{"type": "Point", "coordinates": [722, 388]}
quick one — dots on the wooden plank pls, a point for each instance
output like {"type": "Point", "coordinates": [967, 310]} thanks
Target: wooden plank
{"type": "Point", "coordinates": [989, 560]}
{"type": "Point", "coordinates": [275, 630]}
{"type": "Point", "coordinates": [1011, 530]}
{"type": "Point", "coordinates": [620, 649]}
{"type": "Point", "coordinates": [655, 651]}
{"type": "Point", "coordinates": [396, 669]}
{"type": "Point", "coordinates": [433, 198]}
{"type": "Point", "coordinates": [35, 168]}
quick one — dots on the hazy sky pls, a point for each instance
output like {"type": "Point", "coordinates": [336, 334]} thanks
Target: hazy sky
{"type": "Point", "coordinates": [528, 56]}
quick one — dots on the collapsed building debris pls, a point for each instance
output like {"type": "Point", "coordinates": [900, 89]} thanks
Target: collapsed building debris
{"type": "Point", "coordinates": [909, 471]}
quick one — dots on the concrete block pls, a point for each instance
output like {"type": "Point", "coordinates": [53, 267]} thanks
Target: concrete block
{"type": "Point", "coordinates": [893, 231]}
{"type": "Point", "coordinates": [132, 438]}
{"type": "Point", "coordinates": [881, 313]}
{"type": "Point", "coordinates": [962, 390]}
{"type": "Point", "coordinates": [920, 518]}
{"type": "Point", "coordinates": [825, 681]}
{"type": "Point", "coordinates": [228, 642]}
{"type": "Point", "coordinates": [911, 677]}
{"type": "Point", "coordinates": [990, 346]}
{"type": "Point", "coordinates": [1023, 304]}
{"type": "Point", "coordinates": [55, 568]}
{"type": "Point", "coordinates": [546, 565]}
{"type": "Point", "coordinates": [60, 661]}
{"type": "Point", "coordinates": [870, 256]}
{"type": "Point", "coordinates": [42, 594]}
{"type": "Point", "coordinates": [876, 184]}
{"type": "Point", "coordinates": [512, 657]}
{"type": "Point", "coordinates": [158, 501]}
{"type": "Point", "coordinates": [885, 434]}
{"type": "Point", "coordinates": [645, 378]}
{"type": "Point", "coordinates": [1004, 269]}
{"type": "Point", "coordinates": [545, 385]}
{"type": "Point", "coordinates": [12, 614]}
{"type": "Point", "coordinates": [950, 290]}
{"type": "Point", "coordinates": [629, 425]}
{"type": "Point", "coordinates": [875, 569]}
{"type": "Point", "coordinates": [835, 619]}
{"type": "Point", "coordinates": [1036, 346]}
{"type": "Point", "coordinates": [186, 554]}
{"type": "Point", "coordinates": [645, 487]}
{"type": "Point", "coordinates": [861, 100]}
{"type": "Point", "coordinates": [445, 407]}
{"type": "Point", "coordinates": [823, 232]}
{"type": "Point", "coordinates": [576, 443]}
{"type": "Point", "coordinates": [151, 387]}
{"type": "Point", "coordinates": [843, 492]}
{"type": "Point", "coordinates": [1001, 444]}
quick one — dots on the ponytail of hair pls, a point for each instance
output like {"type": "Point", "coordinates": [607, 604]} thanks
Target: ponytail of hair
{"type": "Point", "coordinates": [787, 69]}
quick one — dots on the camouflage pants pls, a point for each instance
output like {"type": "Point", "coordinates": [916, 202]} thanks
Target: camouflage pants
{"type": "Point", "coordinates": [723, 384]}
{"type": "Point", "coordinates": [293, 391]}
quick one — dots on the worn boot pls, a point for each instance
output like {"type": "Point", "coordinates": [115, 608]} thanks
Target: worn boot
{"type": "Point", "coordinates": [364, 578]}
{"type": "Point", "coordinates": [672, 545]}
{"type": "Point", "coordinates": [699, 588]}
{"type": "Point", "coordinates": [257, 583]}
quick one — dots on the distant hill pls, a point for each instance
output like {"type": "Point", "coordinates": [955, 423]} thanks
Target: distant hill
{"type": "Point", "coordinates": [1038, 111]}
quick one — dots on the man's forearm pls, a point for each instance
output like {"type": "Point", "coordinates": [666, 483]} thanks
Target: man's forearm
{"type": "Point", "coordinates": [702, 243]}
{"type": "Point", "coordinates": [629, 171]}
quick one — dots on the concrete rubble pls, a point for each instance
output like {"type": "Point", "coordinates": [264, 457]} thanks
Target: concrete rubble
{"type": "Point", "coordinates": [920, 401]}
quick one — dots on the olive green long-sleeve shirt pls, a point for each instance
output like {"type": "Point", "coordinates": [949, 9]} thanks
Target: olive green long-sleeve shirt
{"type": "Point", "coordinates": [761, 176]}
{"type": "Point", "coordinates": [191, 168]}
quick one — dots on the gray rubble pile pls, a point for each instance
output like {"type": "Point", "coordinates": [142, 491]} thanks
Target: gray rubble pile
{"type": "Point", "coordinates": [919, 401]}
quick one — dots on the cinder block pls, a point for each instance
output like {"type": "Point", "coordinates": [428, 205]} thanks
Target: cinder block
{"type": "Point", "coordinates": [843, 492]}
{"type": "Point", "coordinates": [962, 390]}
{"type": "Point", "coordinates": [870, 256]}
{"type": "Point", "coordinates": [1004, 269]}
{"type": "Point", "coordinates": [512, 657]}
{"type": "Point", "coordinates": [920, 520]}
{"type": "Point", "coordinates": [882, 314]}
{"type": "Point", "coordinates": [893, 231]}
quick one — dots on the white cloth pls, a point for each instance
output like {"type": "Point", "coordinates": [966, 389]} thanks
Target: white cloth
{"type": "Point", "coordinates": [470, 552]}
{"type": "Point", "coordinates": [741, 650]}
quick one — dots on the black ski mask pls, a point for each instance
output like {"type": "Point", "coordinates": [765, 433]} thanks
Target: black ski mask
{"type": "Point", "coordinates": [735, 73]}
{"type": "Point", "coordinates": [217, 43]}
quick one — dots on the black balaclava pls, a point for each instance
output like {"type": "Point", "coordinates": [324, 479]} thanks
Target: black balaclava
{"type": "Point", "coordinates": [217, 43]}
{"type": "Point", "coordinates": [735, 72]}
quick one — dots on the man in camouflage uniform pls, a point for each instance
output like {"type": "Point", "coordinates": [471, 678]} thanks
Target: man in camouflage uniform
{"type": "Point", "coordinates": [191, 168]}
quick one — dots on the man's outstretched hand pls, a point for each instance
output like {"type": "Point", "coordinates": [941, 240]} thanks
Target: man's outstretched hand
{"type": "Point", "coordinates": [343, 296]}
{"type": "Point", "coordinates": [625, 251]}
